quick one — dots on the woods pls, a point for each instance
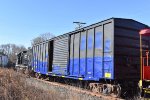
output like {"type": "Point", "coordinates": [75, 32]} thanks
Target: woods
{"type": "Point", "coordinates": [42, 37]}
{"type": "Point", "coordinates": [11, 50]}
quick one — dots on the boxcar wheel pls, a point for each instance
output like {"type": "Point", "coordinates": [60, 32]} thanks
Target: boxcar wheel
{"type": "Point", "coordinates": [116, 91]}
{"type": "Point", "coordinates": [37, 75]}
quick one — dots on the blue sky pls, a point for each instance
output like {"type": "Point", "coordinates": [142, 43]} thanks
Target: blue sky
{"type": "Point", "coordinates": [23, 20]}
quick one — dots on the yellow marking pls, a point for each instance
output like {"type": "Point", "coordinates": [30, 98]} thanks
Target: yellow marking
{"type": "Point", "coordinates": [80, 78]}
{"type": "Point", "coordinates": [63, 76]}
{"type": "Point", "coordinates": [140, 83]}
{"type": "Point", "coordinates": [147, 91]}
{"type": "Point", "coordinates": [107, 75]}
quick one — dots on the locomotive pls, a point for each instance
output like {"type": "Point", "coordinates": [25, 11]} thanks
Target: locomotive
{"type": "Point", "coordinates": [104, 56]}
{"type": "Point", "coordinates": [23, 60]}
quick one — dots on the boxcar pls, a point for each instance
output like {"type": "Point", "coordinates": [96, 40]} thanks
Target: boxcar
{"type": "Point", "coordinates": [107, 50]}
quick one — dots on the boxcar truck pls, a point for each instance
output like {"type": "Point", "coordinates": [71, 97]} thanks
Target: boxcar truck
{"type": "Point", "coordinates": [145, 66]}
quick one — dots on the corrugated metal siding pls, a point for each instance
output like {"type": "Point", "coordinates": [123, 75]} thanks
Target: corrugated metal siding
{"type": "Point", "coordinates": [76, 54]}
{"type": "Point", "coordinates": [43, 62]}
{"type": "Point", "coordinates": [83, 45]}
{"type": "Point", "coordinates": [36, 58]}
{"type": "Point", "coordinates": [90, 53]}
{"type": "Point", "coordinates": [71, 47]}
{"type": "Point", "coordinates": [90, 43]}
{"type": "Point", "coordinates": [46, 57]}
{"type": "Point", "coordinates": [60, 55]}
{"type": "Point", "coordinates": [39, 67]}
{"type": "Point", "coordinates": [99, 41]}
{"type": "Point", "coordinates": [33, 58]}
{"type": "Point", "coordinates": [76, 45]}
{"type": "Point", "coordinates": [41, 55]}
{"type": "Point", "coordinates": [93, 62]}
{"type": "Point", "coordinates": [98, 59]}
{"type": "Point", "coordinates": [108, 51]}
{"type": "Point", "coordinates": [71, 54]}
{"type": "Point", "coordinates": [127, 50]}
{"type": "Point", "coordinates": [40, 58]}
{"type": "Point", "coordinates": [83, 53]}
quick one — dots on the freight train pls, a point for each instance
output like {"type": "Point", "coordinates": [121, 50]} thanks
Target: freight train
{"type": "Point", "coordinates": [105, 55]}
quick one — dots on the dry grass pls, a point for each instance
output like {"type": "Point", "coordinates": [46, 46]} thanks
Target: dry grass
{"type": "Point", "coordinates": [16, 86]}
{"type": "Point", "coordinates": [13, 87]}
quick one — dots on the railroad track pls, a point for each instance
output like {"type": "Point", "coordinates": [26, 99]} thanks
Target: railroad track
{"type": "Point", "coordinates": [71, 88]}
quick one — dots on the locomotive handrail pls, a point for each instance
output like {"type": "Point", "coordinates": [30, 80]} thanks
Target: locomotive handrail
{"type": "Point", "coordinates": [147, 62]}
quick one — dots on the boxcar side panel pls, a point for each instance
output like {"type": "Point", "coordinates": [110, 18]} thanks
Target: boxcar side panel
{"type": "Point", "coordinates": [108, 51]}
{"type": "Point", "coordinates": [71, 66]}
{"type": "Point", "coordinates": [43, 58]}
{"type": "Point", "coordinates": [46, 57]}
{"type": "Point", "coordinates": [83, 54]}
{"type": "Point", "coordinates": [36, 57]}
{"type": "Point", "coordinates": [33, 58]}
{"type": "Point", "coordinates": [90, 53]}
{"type": "Point", "coordinates": [98, 59]}
{"type": "Point", "coordinates": [39, 66]}
{"type": "Point", "coordinates": [41, 55]}
{"type": "Point", "coordinates": [76, 54]}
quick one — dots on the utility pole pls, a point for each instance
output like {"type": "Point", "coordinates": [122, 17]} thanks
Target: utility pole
{"type": "Point", "coordinates": [80, 25]}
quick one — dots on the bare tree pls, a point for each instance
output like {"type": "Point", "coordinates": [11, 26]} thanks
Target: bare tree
{"type": "Point", "coordinates": [6, 48]}
{"type": "Point", "coordinates": [42, 37]}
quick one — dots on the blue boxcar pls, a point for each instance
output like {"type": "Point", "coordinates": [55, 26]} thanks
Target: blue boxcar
{"type": "Point", "coordinates": [100, 51]}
